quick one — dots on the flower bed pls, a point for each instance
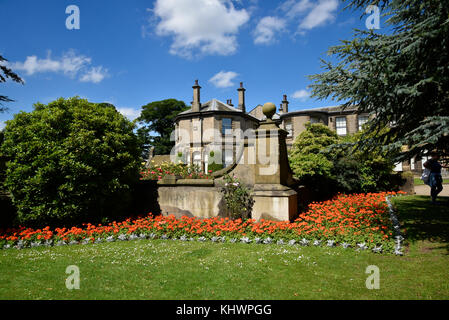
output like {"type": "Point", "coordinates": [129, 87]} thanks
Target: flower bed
{"type": "Point", "coordinates": [158, 172]}
{"type": "Point", "coordinates": [361, 221]}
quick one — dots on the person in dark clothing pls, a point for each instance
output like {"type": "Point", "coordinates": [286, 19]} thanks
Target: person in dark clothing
{"type": "Point", "coordinates": [435, 178]}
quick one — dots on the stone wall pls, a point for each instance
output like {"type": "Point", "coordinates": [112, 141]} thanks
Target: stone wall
{"type": "Point", "coordinates": [199, 198]}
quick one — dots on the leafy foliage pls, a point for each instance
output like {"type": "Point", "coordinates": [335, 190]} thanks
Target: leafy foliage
{"type": "Point", "coordinates": [238, 198]}
{"type": "Point", "coordinates": [215, 161]}
{"type": "Point", "coordinates": [310, 164]}
{"type": "Point", "coordinates": [327, 164]}
{"type": "Point", "coordinates": [159, 171]}
{"type": "Point", "coordinates": [6, 73]}
{"type": "Point", "coordinates": [401, 77]}
{"type": "Point", "coordinates": [70, 161]}
{"type": "Point", "coordinates": [158, 117]}
{"type": "Point", "coordinates": [214, 167]}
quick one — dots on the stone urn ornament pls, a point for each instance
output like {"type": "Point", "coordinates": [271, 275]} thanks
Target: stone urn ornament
{"type": "Point", "coordinates": [269, 110]}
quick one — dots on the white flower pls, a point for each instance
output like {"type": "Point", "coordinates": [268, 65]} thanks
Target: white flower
{"type": "Point", "coordinates": [377, 249]}
{"type": "Point", "coordinates": [330, 243]}
{"type": "Point", "coordinates": [245, 240]}
{"type": "Point", "coordinates": [362, 246]}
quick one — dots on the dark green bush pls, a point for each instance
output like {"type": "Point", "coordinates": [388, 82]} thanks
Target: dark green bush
{"type": "Point", "coordinates": [326, 164]}
{"type": "Point", "coordinates": [214, 167]}
{"type": "Point", "coordinates": [70, 161]}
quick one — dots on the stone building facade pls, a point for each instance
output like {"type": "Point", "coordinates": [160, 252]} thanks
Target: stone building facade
{"type": "Point", "coordinates": [344, 122]}
{"type": "Point", "coordinates": [201, 131]}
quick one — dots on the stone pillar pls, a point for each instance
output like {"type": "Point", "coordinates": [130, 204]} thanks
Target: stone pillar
{"type": "Point", "coordinates": [274, 198]}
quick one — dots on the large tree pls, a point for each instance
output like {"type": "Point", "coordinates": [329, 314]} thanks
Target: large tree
{"type": "Point", "coordinates": [157, 124]}
{"type": "Point", "coordinates": [6, 73]}
{"type": "Point", "coordinates": [400, 76]}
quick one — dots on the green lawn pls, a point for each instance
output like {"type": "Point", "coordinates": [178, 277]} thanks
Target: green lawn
{"type": "Point", "coordinates": [419, 182]}
{"type": "Point", "coordinates": [170, 269]}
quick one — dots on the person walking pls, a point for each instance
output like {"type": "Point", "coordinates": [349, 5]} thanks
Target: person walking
{"type": "Point", "coordinates": [435, 178]}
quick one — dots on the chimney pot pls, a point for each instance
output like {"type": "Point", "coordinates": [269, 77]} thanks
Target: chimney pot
{"type": "Point", "coordinates": [196, 104]}
{"type": "Point", "coordinates": [285, 104]}
{"type": "Point", "coordinates": [241, 92]}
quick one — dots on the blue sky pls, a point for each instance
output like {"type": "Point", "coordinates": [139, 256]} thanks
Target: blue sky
{"type": "Point", "coordinates": [133, 52]}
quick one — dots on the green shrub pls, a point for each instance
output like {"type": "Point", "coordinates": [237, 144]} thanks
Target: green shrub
{"type": "Point", "coordinates": [238, 199]}
{"type": "Point", "coordinates": [70, 161]}
{"type": "Point", "coordinates": [160, 171]}
{"type": "Point", "coordinates": [326, 164]}
{"type": "Point", "coordinates": [311, 165]}
{"type": "Point", "coordinates": [214, 157]}
{"type": "Point", "coordinates": [214, 167]}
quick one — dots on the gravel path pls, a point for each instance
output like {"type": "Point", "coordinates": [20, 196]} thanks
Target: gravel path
{"type": "Point", "coordinates": [424, 190]}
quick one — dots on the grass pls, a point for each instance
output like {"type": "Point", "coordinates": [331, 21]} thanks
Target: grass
{"type": "Point", "coordinates": [424, 223]}
{"type": "Point", "coordinates": [419, 182]}
{"type": "Point", "coordinates": [170, 269]}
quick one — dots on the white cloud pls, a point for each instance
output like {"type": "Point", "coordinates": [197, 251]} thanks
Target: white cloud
{"type": "Point", "coordinates": [293, 8]}
{"type": "Point", "coordinates": [95, 75]}
{"type": "Point", "coordinates": [69, 64]}
{"type": "Point", "coordinates": [267, 28]}
{"type": "Point", "coordinates": [223, 79]}
{"type": "Point", "coordinates": [309, 14]}
{"type": "Point", "coordinates": [2, 125]}
{"type": "Point", "coordinates": [321, 14]}
{"type": "Point", "coordinates": [301, 95]}
{"type": "Point", "coordinates": [207, 27]}
{"type": "Point", "coordinates": [129, 113]}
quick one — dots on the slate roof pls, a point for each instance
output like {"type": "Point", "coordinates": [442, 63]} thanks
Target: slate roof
{"type": "Point", "coordinates": [331, 109]}
{"type": "Point", "coordinates": [214, 105]}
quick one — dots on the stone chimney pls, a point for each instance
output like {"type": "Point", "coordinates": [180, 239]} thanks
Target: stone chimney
{"type": "Point", "coordinates": [229, 102]}
{"type": "Point", "coordinates": [241, 91]}
{"type": "Point", "coordinates": [285, 104]}
{"type": "Point", "coordinates": [196, 104]}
